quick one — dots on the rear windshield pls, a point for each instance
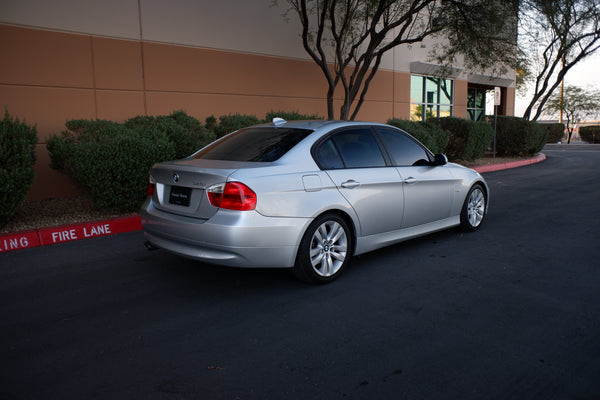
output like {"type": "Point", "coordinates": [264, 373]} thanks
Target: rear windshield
{"type": "Point", "coordinates": [254, 144]}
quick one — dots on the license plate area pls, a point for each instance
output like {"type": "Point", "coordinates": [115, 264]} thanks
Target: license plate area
{"type": "Point", "coordinates": [180, 196]}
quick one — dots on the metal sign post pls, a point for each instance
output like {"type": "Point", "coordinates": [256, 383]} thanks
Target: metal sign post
{"type": "Point", "coordinates": [497, 99]}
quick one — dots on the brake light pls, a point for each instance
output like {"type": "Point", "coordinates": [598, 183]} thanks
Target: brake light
{"type": "Point", "coordinates": [232, 196]}
{"type": "Point", "coordinates": [151, 185]}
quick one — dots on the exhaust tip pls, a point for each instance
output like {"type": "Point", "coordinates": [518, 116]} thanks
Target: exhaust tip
{"type": "Point", "coordinates": [149, 246]}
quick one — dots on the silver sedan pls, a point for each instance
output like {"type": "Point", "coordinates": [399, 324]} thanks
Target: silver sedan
{"type": "Point", "coordinates": [307, 195]}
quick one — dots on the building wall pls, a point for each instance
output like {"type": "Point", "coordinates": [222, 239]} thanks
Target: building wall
{"type": "Point", "coordinates": [116, 59]}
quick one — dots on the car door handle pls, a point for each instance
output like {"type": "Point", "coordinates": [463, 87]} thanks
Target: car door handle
{"type": "Point", "coordinates": [351, 184]}
{"type": "Point", "coordinates": [410, 180]}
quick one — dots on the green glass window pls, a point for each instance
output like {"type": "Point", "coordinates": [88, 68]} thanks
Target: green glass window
{"type": "Point", "coordinates": [475, 104]}
{"type": "Point", "coordinates": [430, 97]}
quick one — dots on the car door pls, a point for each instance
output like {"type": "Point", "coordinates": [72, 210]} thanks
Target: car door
{"type": "Point", "coordinates": [355, 163]}
{"type": "Point", "coordinates": [428, 190]}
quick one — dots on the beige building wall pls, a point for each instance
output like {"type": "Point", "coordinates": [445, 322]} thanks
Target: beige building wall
{"type": "Point", "coordinates": [116, 59]}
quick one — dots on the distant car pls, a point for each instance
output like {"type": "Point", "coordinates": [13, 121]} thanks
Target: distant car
{"type": "Point", "coordinates": [307, 195]}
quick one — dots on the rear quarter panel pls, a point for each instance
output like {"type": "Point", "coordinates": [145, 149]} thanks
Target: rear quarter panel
{"type": "Point", "coordinates": [282, 193]}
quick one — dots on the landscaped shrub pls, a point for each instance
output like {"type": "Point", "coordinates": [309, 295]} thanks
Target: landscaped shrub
{"type": "Point", "coordinates": [468, 140]}
{"type": "Point", "coordinates": [590, 134]}
{"type": "Point", "coordinates": [61, 148]}
{"type": "Point", "coordinates": [517, 136]}
{"type": "Point", "coordinates": [431, 135]}
{"type": "Point", "coordinates": [110, 160]}
{"type": "Point", "coordinates": [289, 116]}
{"type": "Point", "coordinates": [185, 132]}
{"type": "Point", "coordinates": [440, 137]}
{"type": "Point", "coordinates": [17, 156]}
{"type": "Point", "coordinates": [554, 132]}
{"type": "Point", "coordinates": [231, 123]}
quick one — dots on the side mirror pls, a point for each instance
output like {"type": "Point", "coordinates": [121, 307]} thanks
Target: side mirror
{"type": "Point", "coordinates": [439, 159]}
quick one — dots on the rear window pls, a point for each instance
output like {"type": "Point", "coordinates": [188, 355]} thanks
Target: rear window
{"type": "Point", "coordinates": [254, 144]}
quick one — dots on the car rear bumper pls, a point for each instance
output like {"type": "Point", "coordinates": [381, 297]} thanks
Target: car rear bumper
{"type": "Point", "coordinates": [231, 238]}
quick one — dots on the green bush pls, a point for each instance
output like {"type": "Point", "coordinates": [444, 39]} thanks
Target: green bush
{"type": "Point", "coordinates": [185, 132]}
{"type": "Point", "coordinates": [61, 148]}
{"type": "Point", "coordinates": [468, 140]}
{"type": "Point", "coordinates": [554, 132]}
{"type": "Point", "coordinates": [231, 123]}
{"type": "Point", "coordinates": [517, 136]}
{"type": "Point", "coordinates": [289, 116]}
{"type": "Point", "coordinates": [110, 160]}
{"type": "Point", "coordinates": [590, 134]}
{"type": "Point", "coordinates": [431, 135]}
{"type": "Point", "coordinates": [17, 156]}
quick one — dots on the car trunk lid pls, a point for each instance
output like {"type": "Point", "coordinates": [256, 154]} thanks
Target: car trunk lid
{"type": "Point", "coordinates": [181, 185]}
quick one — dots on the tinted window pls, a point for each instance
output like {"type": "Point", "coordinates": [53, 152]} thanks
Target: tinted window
{"type": "Point", "coordinates": [404, 150]}
{"type": "Point", "coordinates": [358, 149]}
{"type": "Point", "coordinates": [328, 157]}
{"type": "Point", "coordinates": [254, 144]}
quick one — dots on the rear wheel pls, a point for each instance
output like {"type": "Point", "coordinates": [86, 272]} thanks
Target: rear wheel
{"type": "Point", "coordinates": [473, 211]}
{"type": "Point", "coordinates": [324, 251]}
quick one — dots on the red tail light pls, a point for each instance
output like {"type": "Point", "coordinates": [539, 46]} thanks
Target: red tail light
{"type": "Point", "coordinates": [151, 185]}
{"type": "Point", "coordinates": [232, 196]}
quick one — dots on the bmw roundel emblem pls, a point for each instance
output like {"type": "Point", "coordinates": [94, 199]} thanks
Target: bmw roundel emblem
{"type": "Point", "coordinates": [175, 177]}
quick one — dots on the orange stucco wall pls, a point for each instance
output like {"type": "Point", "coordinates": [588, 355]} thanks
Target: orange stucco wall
{"type": "Point", "coordinates": [52, 77]}
{"type": "Point", "coordinates": [48, 77]}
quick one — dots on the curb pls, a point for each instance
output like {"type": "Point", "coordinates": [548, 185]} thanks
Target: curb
{"type": "Point", "coordinates": [513, 164]}
{"type": "Point", "coordinates": [68, 233]}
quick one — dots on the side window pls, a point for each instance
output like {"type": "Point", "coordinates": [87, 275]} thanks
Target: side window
{"type": "Point", "coordinates": [405, 151]}
{"type": "Point", "coordinates": [328, 157]}
{"type": "Point", "coordinates": [358, 149]}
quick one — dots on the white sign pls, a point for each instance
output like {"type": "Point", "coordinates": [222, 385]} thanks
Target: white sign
{"type": "Point", "coordinates": [497, 96]}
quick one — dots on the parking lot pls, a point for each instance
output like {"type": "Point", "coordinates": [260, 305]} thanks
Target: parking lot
{"type": "Point", "coordinates": [509, 312]}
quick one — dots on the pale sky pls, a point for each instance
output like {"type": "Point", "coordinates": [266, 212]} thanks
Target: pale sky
{"type": "Point", "coordinates": [585, 75]}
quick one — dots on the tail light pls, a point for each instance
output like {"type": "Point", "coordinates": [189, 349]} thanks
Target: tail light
{"type": "Point", "coordinates": [232, 196]}
{"type": "Point", "coordinates": [151, 185]}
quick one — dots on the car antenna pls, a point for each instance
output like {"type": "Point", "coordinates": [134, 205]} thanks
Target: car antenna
{"type": "Point", "coordinates": [278, 121]}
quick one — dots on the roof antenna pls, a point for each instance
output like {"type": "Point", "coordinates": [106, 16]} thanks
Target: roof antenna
{"type": "Point", "coordinates": [278, 121]}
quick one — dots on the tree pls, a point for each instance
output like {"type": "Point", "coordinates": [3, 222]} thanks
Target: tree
{"type": "Point", "coordinates": [348, 38]}
{"type": "Point", "coordinates": [576, 104]}
{"type": "Point", "coordinates": [555, 35]}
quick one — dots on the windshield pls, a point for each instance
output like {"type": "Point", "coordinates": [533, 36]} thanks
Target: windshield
{"type": "Point", "coordinates": [263, 144]}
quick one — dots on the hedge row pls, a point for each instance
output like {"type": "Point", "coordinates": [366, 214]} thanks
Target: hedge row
{"type": "Point", "coordinates": [461, 139]}
{"type": "Point", "coordinates": [17, 156]}
{"type": "Point", "coordinates": [111, 160]}
{"type": "Point", "coordinates": [590, 134]}
{"type": "Point", "coordinates": [517, 136]}
{"type": "Point", "coordinates": [468, 140]}
{"type": "Point", "coordinates": [233, 122]}
{"type": "Point", "coordinates": [554, 131]}
{"type": "Point", "coordinates": [431, 135]}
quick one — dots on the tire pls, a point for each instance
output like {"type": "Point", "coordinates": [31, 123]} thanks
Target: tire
{"type": "Point", "coordinates": [324, 251]}
{"type": "Point", "coordinates": [474, 209]}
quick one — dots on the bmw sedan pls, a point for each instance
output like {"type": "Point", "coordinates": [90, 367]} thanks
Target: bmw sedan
{"type": "Point", "coordinates": [307, 195]}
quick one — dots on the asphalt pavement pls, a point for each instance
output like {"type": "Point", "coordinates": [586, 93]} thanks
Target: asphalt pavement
{"type": "Point", "coordinates": [509, 312]}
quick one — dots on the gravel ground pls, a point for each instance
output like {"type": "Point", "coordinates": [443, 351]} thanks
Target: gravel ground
{"type": "Point", "coordinates": [54, 212]}
{"type": "Point", "coordinates": [73, 210]}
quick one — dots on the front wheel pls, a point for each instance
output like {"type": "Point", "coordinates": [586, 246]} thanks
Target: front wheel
{"type": "Point", "coordinates": [324, 251]}
{"type": "Point", "coordinates": [474, 209]}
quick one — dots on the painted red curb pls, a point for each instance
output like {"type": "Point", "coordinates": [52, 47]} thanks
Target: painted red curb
{"type": "Point", "coordinates": [513, 164]}
{"type": "Point", "coordinates": [86, 230]}
{"type": "Point", "coordinates": [68, 233]}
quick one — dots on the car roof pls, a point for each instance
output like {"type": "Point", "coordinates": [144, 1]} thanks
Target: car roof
{"type": "Point", "coordinates": [317, 124]}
